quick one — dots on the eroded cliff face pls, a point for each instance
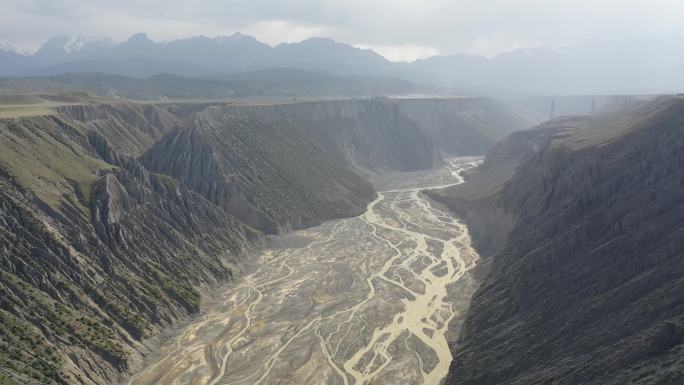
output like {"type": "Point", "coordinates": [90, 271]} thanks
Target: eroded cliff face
{"type": "Point", "coordinates": [265, 172]}
{"type": "Point", "coordinates": [96, 254]}
{"type": "Point", "coordinates": [588, 285]}
{"type": "Point", "coordinates": [480, 202]}
{"type": "Point", "coordinates": [130, 128]}
{"type": "Point", "coordinates": [393, 134]}
{"type": "Point", "coordinates": [367, 134]}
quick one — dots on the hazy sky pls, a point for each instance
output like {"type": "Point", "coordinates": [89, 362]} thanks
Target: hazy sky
{"type": "Point", "coordinates": [399, 29]}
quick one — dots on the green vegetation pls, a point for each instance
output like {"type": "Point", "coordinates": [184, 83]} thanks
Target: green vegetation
{"type": "Point", "coordinates": [25, 343]}
{"type": "Point", "coordinates": [168, 182]}
{"type": "Point", "coordinates": [24, 350]}
{"type": "Point", "coordinates": [186, 294]}
{"type": "Point", "coordinates": [44, 158]}
{"type": "Point", "coordinates": [133, 322]}
{"type": "Point", "coordinates": [7, 380]}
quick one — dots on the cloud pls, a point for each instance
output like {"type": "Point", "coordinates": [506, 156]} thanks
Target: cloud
{"type": "Point", "coordinates": [283, 31]}
{"type": "Point", "coordinates": [402, 29]}
{"type": "Point", "coordinates": [402, 53]}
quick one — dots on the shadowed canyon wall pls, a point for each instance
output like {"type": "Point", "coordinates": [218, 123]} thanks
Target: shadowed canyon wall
{"type": "Point", "coordinates": [585, 282]}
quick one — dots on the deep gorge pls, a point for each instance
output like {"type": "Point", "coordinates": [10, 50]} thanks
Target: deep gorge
{"type": "Point", "coordinates": [129, 212]}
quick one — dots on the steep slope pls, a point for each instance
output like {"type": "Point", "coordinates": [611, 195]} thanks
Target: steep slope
{"type": "Point", "coordinates": [265, 172]}
{"type": "Point", "coordinates": [588, 286]}
{"type": "Point", "coordinates": [363, 133]}
{"type": "Point", "coordinates": [96, 253]}
{"type": "Point", "coordinates": [480, 201]}
{"type": "Point", "coordinates": [129, 127]}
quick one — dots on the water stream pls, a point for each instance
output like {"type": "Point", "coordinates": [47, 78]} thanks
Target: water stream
{"type": "Point", "coordinates": [365, 300]}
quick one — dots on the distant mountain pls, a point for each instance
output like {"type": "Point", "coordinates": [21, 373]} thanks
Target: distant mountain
{"type": "Point", "coordinates": [329, 55]}
{"type": "Point", "coordinates": [10, 56]}
{"type": "Point", "coordinates": [279, 82]}
{"type": "Point", "coordinates": [643, 65]}
{"type": "Point", "coordinates": [78, 46]}
{"type": "Point", "coordinates": [236, 52]}
{"type": "Point", "coordinates": [7, 46]}
{"type": "Point", "coordinates": [10, 59]}
{"type": "Point", "coordinates": [630, 66]}
{"type": "Point", "coordinates": [141, 56]}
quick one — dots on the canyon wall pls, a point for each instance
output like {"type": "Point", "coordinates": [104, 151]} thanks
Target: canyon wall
{"type": "Point", "coordinates": [587, 285]}
{"type": "Point", "coordinates": [96, 253]}
{"type": "Point", "coordinates": [264, 172]}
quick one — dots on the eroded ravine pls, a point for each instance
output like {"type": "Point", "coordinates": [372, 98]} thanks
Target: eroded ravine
{"type": "Point", "coordinates": [354, 301]}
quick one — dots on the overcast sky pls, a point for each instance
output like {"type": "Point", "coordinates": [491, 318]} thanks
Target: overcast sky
{"type": "Point", "coordinates": [398, 29]}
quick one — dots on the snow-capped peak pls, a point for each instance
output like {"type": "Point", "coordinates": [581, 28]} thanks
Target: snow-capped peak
{"type": "Point", "coordinates": [237, 36]}
{"type": "Point", "coordinates": [73, 44]}
{"type": "Point", "coordinates": [8, 46]}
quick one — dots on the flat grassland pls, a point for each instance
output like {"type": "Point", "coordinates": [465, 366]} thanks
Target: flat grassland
{"type": "Point", "coordinates": [24, 105]}
{"type": "Point", "coordinates": [17, 111]}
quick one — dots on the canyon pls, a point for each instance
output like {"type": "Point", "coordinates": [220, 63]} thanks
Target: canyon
{"type": "Point", "coordinates": [349, 193]}
{"type": "Point", "coordinates": [120, 218]}
{"type": "Point", "coordinates": [348, 241]}
{"type": "Point", "coordinates": [362, 300]}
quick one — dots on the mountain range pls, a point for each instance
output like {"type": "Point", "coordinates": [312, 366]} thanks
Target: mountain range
{"type": "Point", "coordinates": [638, 65]}
{"type": "Point", "coordinates": [198, 55]}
